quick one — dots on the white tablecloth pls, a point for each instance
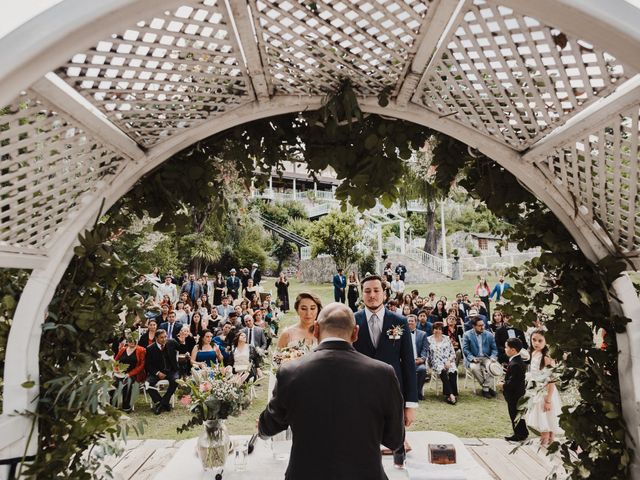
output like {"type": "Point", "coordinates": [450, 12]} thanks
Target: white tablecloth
{"type": "Point", "coordinates": [262, 464]}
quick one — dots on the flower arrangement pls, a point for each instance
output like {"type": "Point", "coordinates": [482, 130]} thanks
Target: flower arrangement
{"type": "Point", "coordinates": [287, 354]}
{"type": "Point", "coordinates": [214, 394]}
{"type": "Point", "coordinates": [395, 332]}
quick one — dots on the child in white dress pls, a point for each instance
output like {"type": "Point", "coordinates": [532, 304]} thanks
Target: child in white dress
{"type": "Point", "coordinates": [544, 404]}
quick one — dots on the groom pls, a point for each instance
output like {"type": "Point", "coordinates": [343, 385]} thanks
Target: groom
{"type": "Point", "coordinates": [377, 325]}
{"type": "Point", "coordinates": [338, 424]}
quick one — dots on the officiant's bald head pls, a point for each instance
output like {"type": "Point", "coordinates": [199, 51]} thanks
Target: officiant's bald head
{"type": "Point", "coordinates": [336, 320]}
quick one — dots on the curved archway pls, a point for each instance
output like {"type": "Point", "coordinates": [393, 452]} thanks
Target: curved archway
{"type": "Point", "coordinates": [58, 33]}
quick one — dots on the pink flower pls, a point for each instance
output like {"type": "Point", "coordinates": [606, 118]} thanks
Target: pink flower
{"type": "Point", "coordinates": [205, 387]}
{"type": "Point", "coordinates": [186, 400]}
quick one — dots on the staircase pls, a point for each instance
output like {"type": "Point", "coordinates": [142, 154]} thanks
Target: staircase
{"type": "Point", "coordinates": [284, 233]}
{"type": "Point", "coordinates": [434, 268]}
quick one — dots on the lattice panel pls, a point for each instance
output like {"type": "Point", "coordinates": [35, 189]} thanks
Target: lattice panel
{"type": "Point", "coordinates": [46, 164]}
{"type": "Point", "coordinates": [513, 78]}
{"type": "Point", "coordinates": [166, 73]}
{"type": "Point", "coordinates": [601, 171]}
{"type": "Point", "coordinates": [309, 45]}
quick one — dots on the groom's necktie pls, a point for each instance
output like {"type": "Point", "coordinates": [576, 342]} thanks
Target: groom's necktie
{"type": "Point", "coordinates": [374, 328]}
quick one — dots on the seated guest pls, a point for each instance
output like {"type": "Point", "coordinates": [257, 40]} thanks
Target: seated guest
{"type": "Point", "coordinates": [505, 332]}
{"type": "Point", "coordinates": [442, 359]}
{"type": "Point", "coordinates": [171, 326]}
{"type": "Point", "coordinates": [224, 339]}
{"type": "Point", "coordinates": [188, 313]}
{"type": "Point", "coordinates": [244, 356]}
{"type": "Point", "coordinates": [423, 322]}
{"type": "Point", "coordinates": [184, 298]}
{"type": "Point", "coordinates": [149, 336]}
{"type": "Point", "coordinates": [185, 346]}
{"type": "Point", "coordinates": [454, 330]}
{"type": "Point", "coordinates": [393, 306]}
{"type": "Point", "coordinates": [213, 320]}
{"type": "Point", "coordinates": [197, 326]}
{"type": "Point", "coordinates": [206, 353]}
{"type": "Point", "coordinates": [406, 310]}
{"type": "Point", "coordinates": [252, 293]}
{"type": "Point", "coordinates": [205, 302]}
{"type": "Point", "coordinates": [181, 314]}
{"type": "Point", "coordinates": [480, 348]}
{"type": "Point", "coordinates": [163, 316]}
{"type": "Point", "coordinates": [473, 314]}
{"type": "Point", "coordinates": [132, 355]}
{"type": "Point", "coordinates": [255, 335]}
{"type": "Point", "coordinates": [420, 351]}
{"type": "Point", "coordinates": [226, 308]}
{"type": "Point", "coordinates": [440, 311]}
{"type": "Point", "coordinates": [497, 319]}
{"type": "Point", "coordinates": [161, 363]}
{"type": "Point", "coordinates": [200, 308]}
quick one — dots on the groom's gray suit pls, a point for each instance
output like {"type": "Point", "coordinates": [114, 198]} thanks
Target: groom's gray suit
{"type": "Point", "coordinates": [341, 406]}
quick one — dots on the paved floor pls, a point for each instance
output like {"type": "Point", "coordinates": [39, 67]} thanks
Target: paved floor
{"type": "Point", "coordinates": [145, 459]}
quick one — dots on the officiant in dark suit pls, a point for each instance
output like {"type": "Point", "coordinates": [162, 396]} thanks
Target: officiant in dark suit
{"type": "Point", "coordinates": [340, 404]}
{"type": "Point", "coordinates": [385, 336]}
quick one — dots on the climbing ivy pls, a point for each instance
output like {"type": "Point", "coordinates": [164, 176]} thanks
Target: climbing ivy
{"type": "Point", "coordinates": [574, 293]}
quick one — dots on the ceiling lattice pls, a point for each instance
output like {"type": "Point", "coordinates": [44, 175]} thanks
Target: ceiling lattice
{"type": "Point", "coordinates": [309, 45]}
{"type": "Point", "coordinates": [512, 77]}
{"type": "Point", "coordinates": [601, 172]}
{"type": "Point", "coordinates": [165, 73]}
{"type": "Point", "coordinates": [47, 163]}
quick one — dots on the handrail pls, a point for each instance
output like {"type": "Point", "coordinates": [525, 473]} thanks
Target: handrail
{"type": "Point", "coordinates": [284, 233]}
{"type": "Point", "coordinates": [430, 261]}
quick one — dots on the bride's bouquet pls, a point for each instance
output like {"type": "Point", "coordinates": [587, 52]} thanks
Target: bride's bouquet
{"type": "Point", "coordinates": [288, 354]}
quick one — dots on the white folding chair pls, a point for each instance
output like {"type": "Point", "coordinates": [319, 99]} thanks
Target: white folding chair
{"type": "Point", "coordinates": [161, 386]}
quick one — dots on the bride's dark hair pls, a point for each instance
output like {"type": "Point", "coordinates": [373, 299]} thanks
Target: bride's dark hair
{"type": "Point", "coordinates": [308, 295]}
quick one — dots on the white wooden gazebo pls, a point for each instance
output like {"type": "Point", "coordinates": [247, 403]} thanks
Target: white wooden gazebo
{"type": "Point", "coordinates": [97, 94]}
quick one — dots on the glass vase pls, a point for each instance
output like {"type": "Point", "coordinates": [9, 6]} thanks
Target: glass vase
{"type": "Point", "coordinates": [213, 445]}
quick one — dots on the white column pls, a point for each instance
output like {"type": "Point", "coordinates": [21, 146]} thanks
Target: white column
{"type": "Point", "coordinates": [402, 242]}
{"type": "Point", "coordinates": [271, 185]}
{"type": "Point", "coordinates": [629, 363]}
{"type": "Point", "coordinates": [379, 240]}
{"type": "Point", "coordinates": [444, 238]}
{"type": "Point", "coordinates": [294, 188]}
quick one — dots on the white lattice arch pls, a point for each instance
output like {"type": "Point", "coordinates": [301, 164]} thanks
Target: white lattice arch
{"type": "Point", "coordinates": [99, 95]}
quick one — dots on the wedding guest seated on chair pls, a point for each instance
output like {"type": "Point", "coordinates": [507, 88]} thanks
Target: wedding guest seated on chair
{"type": "Point", "coordinates": [479, 350]}
{"type": "Point", "coordinates": [206, 353]}
{"type": "Point", "coordinates": [442, 359]}
{"type": "Point", "coordinates": [149, 336]}
{"type": "Point", "coordinates": [185, 343]}
{"type": "Point", "coordinates": [255, 335]}
{"type": "Point", "coordinates": [171, 326]}
{"type": "Point", "coordinates": [224, 340]}
{"type": "Point", "coordinates": [420, 352]}
{"type": "Point", "coordinates": [161, 363]}
{"type": "Point", "coordinates": [132, 355]}
{"type": "Point", "coordinates": [244, 356]}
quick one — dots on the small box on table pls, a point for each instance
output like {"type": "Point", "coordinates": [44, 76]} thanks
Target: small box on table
{"type": "Point", "coordinates": [442, 454]}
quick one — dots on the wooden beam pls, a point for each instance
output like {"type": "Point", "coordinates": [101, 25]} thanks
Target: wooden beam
{"type": "Point", "coordinates": [239, 13]}
{"type": "Point", "coordinates": [27, 261]}
{"type": "Point", "coordinates": [589, 119]}
{"type": "Point", "coordinates": [66, 99]}
{"type": "Point", "coordinates": [436, 27]}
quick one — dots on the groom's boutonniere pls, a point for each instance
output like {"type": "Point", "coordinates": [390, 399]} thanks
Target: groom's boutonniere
{"type": "Point", "coordinates": [395, 332]}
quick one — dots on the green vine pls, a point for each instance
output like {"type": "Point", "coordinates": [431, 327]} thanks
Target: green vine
{"type": "Point", "coordinates": [574, 293]}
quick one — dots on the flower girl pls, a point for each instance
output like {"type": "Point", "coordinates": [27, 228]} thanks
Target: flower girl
{"type": "Point", "coordinates": [544, 400]}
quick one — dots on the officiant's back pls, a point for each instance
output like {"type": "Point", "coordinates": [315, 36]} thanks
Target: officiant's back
{"type": "Point", "coordinates": [341, 406]}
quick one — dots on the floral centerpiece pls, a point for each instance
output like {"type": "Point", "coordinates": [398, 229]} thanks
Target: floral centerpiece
{"type": "Point", "coordinates": [213, 395]}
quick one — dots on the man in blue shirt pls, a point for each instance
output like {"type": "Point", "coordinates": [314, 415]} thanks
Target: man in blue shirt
{"type": "Point", "coordinates": [480, 349]}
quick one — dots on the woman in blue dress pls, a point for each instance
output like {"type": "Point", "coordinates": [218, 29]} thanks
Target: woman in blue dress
{"type": "Point", "coordinates": [206, 353]}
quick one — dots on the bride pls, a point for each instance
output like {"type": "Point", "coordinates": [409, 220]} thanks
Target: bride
{"type": "Point", "coordinates": [307, 306]}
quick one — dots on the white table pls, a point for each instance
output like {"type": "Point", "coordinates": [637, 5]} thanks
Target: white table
{"type": "Point", "coordinates": [262, 464]}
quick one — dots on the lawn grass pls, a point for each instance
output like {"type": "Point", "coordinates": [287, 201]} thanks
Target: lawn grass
{"type": "Point", "coordinates": [473, 416]}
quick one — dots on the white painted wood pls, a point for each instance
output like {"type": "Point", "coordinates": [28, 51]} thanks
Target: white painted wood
{"type": "Point", "coordinates": [49, 39]}
{"type": "Point", "coordinates": [629, 362]}
{"type": "Point", "coordinates": [612, 25]}
{"type": "Point", "coordinates": [247, 41]}
{"type": "Point", "coordinates": [591, 117]}
{"type": "Point", "coordinates": [68, 100]}
{"type": "Point", "coordinates": [22, 260]}
{"type": "Point", "coordinates": [439, 21]}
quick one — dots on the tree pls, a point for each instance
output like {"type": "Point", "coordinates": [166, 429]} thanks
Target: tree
{"type": "Point", "coordinates": [338, 235]}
